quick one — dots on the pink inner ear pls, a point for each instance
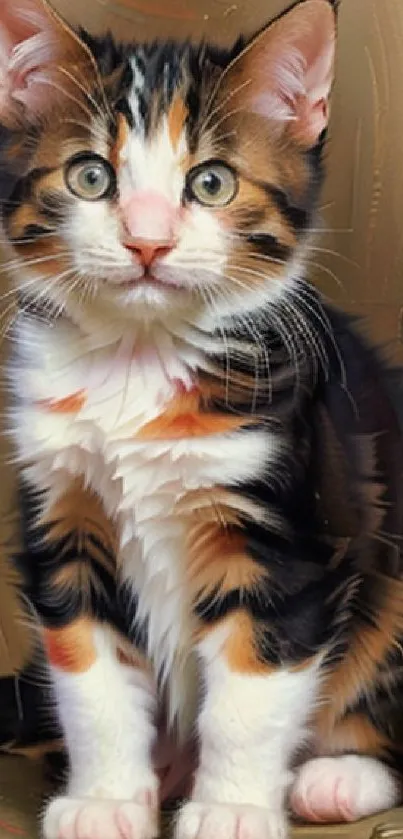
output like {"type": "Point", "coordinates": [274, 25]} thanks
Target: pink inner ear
{"type": "Point", "coordinates": [28, 46]}
{"type": "Point", "coordinates": [320, 74]}
{"type": "Point", "coordinates": [282, 77]}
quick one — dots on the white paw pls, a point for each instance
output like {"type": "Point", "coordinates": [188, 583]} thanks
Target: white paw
{"type": "Point", "coordinates": [221, 821]}
{"type": "Point", "coordinates": [343, 789]}
{"type": "Point", "coordinates": [86, 818]}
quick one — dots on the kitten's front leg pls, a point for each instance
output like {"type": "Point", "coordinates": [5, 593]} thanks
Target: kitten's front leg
{"type": "Point", "coordinates": [106, 711]}
{"type": "Point", "coordinates": [254, 717]}
{"type": "Point", "coordinates": [106, 708]}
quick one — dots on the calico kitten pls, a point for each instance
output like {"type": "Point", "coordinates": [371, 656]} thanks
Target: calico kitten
{"type": "Point", "coordinates": [211, 466]}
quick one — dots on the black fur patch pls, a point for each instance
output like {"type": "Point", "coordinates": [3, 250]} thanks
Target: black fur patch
{"type": "Point", "coordinates": [270, 246]}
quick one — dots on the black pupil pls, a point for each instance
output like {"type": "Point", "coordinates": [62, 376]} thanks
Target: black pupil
{"type": "Point", "coordinates": [93, 176]}
{"type": "Point", "coordinates": [212, 183]}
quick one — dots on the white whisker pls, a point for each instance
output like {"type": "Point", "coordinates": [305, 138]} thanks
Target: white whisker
{"type": "Point", "coordinates": [81, 87]}
{"type": "Point", "coordinates": [222, 104]}
{"type": "Point", "coordinates": [68, 95]}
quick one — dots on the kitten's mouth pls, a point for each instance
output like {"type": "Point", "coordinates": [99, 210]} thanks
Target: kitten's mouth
{"type": "Point", "coordinates": [145, 280]}
{"type": "Point", "coordinates": [150, 280]}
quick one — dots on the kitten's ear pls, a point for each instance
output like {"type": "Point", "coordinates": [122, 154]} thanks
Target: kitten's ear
{"type": "Point", "coordinates": [286, 73]}
{"type": "Point", "coordinates": [34, 41]}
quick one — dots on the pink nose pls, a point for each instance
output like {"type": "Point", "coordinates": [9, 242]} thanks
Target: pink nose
{"type": "Point", "coordinates": [148, 214]}
{"type": "Point", "coordinates": [148, 250]}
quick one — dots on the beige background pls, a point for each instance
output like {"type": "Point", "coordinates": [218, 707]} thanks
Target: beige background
{"type": "Point", "coordinates": [359, 259]}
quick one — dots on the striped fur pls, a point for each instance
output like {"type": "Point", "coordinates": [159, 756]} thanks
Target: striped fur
{"type": "Point", "coordinates": [210, 461]}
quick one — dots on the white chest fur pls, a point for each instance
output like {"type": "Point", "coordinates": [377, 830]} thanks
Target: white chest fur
{"type": "Point", "coordinates": [126, 384]}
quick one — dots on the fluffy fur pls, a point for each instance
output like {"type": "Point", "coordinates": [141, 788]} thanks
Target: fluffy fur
{"type": "Point", "coordinates": [210, 463]}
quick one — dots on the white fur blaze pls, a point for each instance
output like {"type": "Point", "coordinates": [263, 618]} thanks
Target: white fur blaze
{"type": "Point", "coordinates": [343, 789]}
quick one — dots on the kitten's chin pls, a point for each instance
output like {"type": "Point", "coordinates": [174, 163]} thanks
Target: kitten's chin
{"type": "Point", "coordinates": [146, 299]}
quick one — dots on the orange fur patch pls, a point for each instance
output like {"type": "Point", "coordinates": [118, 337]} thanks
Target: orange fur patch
{"type": "Point", "coordinates": [71, 404]}
{"type": "Point", "coordinates": [217, 559]}
{"type": "Point", "coordinates": [71, 648]}
{"type": "Point", "coordinates": [123, 131]}
{"type": "Point", "coordinates": [183, 418]}
{"type": "Point", "coordinates": [240, 649]}
{"type": "Point", "coordinates": [177, 115]}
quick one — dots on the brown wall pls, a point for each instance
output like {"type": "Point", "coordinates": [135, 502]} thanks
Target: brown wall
{"type": "Point", "coordinates": [359, 261]}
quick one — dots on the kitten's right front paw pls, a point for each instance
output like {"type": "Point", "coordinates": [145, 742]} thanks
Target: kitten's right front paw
{"type": "Point", "coordinates": [86, 818]}
{"type": "Point", "coordinates": [225, 821]}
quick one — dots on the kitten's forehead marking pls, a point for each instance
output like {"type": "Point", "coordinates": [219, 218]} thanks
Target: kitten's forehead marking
{"type": "Point", "coordinates": [137, 91]}
{"type": "Point", "coordinates": [153, 163]}
{"type": "Point", "coordinates": [122, 134]}
{"type": "Point", "coordinates": [177, 116]}
{"type": "Point", "coordinates": [155, 160]}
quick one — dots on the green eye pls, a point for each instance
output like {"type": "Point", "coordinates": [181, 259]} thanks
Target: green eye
{"type": "Point", "coordinates": [90, 177]}
{"type": "Point", "coordinates": [212, 184]}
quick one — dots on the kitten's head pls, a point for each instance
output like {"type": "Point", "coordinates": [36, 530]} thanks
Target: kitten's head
{"type": "Point", "coordinates": [166, 178]}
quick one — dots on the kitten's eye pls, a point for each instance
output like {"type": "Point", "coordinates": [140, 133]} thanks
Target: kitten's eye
{"type": "Point", "coordinates": [212, 184]}
{"type": "Point", "coordinates": [90, 177]}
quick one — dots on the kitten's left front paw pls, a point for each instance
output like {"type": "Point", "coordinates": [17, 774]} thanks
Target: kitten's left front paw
{"type": "Point", "coordinates": [229, 821]}
{"type": "Point", "coordinates": [90, 818]}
